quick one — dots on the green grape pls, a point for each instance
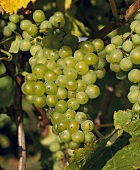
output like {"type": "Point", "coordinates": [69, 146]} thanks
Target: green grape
{"type": "Point", "coordinates": [73, 126]}
{"type": "Point", "coordinates": [59, 155]}
{"type": "Point", "coordinates": [101, 63]}
{"type": "Point", "coordinates": [80, 117]}
{"type": "Point", "coordinates": [45, 26]}
{"type": "Point", "coordinates": [51, 88]}
{"type": "Point", "coordinates": [102, 54]}
{"type": "Point", "coordinates": [53, 55]}
{"type": "Point", "coordinates": [24, 24]}
{"type": "Point", "coordinates": [137, 16]}
{"type": "Point", "coordinates": [27, 88]}
{"type": "Point", "coordinates": [6, 31]}
{"type": "Point", "coordinates": [25, 45]}
{"type": "Point", "coordinates": [12, 26]}
{"type": "Point", "coordinates": [56, 117]}
{"type": "Point", "coordinates": [57, 71]}
{"type": "Point", "coordinates": [126, 64]}
{"type": "Point", "coordinates": [38, 16]}
{"type": "Point", "coordinates": [58, 13]}
{"type": "Point", "coordinates": [61, 106]}
{"type": "Point", "coordinates": [39, 70]}
{"type": "Point", "coordinates": [38, 88]}
{"type": "Point", "coordinates": [81, 68]}
{"type": "Point", "coordinates": [127, 46]}
{"type": "Point", "coordinates": [71, 84]}
{"type": "Point", "coordinates": [81, 85]}
{"type": "Point", "coordinates": [69, 114]}
{"type": "Point", "coordinates": [109, 48]}
{"type": "Point", "coordinates": [50, 64]}
{"type": "Point", "coordinates": [86, 46]}
{"type": "Point", "coordinates": [73, 145]}
{"type": "Point", "coordinates": [65, 51]}
{"type": "Point", "coordinates": [98, 44]}
{"type": "Point", "coordinates": [29, 98]}
{"type": "Point", "coordinates": [70, 62]}
{"type": "Point", "coordinates": [117, 40]}
{"type": "Point", "coordinates": [72, 94]}
{"type": "Point", "coordinates": [87, 125]}
{"type": "Point", "coordinates": [116, 56]}
{"type": "Point", "coordinates": [51, 100]}
{"type": "Point", "coordinates": [32, 29]}
{"type": "Point", "coordinates": [34, 49]}
{"type": "Point", "coordinates": [134, 87]}
{"type": "Point", "coordinates": [89, 137]}
{"type": "Point", "coordinates": [90, 77]}
{"type": "Point", "coordinates": [30, 77]}
{"type": "Point", "coordinates": [137, 28]}
{"type": "Point", "coordinates": [40, 101]}
{"type": "Point", "coordinates": [60, 63]}
{"type": "Point", "coordinates": [79, 55]}
{"type": "Point", "coordinates": [14, 18]}
{"type": "Point", "coordinates": [91, 59]}
{"type": "Point", "coordinates": [73, 104]}
{"type": "Point", "coordinates": [25, 35]}
{"type": "Point", "coordinates": [136, 39]}
{"type": "Point", "coordinates": [100, 73]}
{"type": "Point", "coordinates": [50, 76]}
{"type": "Point", "coordinates": [2, 23]}
{"type": "Point", "coordinates": [61, 81]}
{"type": "Point", "coordinates": [133, 96]}
{"type": "Point", "coordinates": [135, 56]}
{"type": "Point", "coordinates": [2, 68]}
{"type": "Point", "coordinates": [115, 67]}
{"type": "Point", "coordinates": [39, 53]}
{"type": "Point", "coordinates": [78, 136]}
{"type": "Point", "coordinates": [136, 108]}
{"type": "Point", "coordinates": [121, 75]}
{"type": "Point", "coordinates": [70, 73]}
{"type": "Point", "coordinates": [134, 75]}
{"type": "Point", "coordinates": [82, 97]}
{"type": "Point", "coordinates": [92, 91]}
{"type": "Point", "coordinates": [62, 93]}
{"type": "Point", "coordinates": [57, 21]}
{"type": "Point", "coordinates": [54, 146]}
{"type": "Point", "coordinates": [62, 125]}
{"type": "Point", "coordinates": [46, 52]}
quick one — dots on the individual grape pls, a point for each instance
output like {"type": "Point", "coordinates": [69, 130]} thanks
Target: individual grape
{"type": "Point", "coordinates": [133, 96]}
{"type": "Point", "coordinates": [78, 136]}
{"type": "Point", "coordinates": [65, 136]}
{"type": "Point", "coordinates": [98, 44]}
{"type": "Point", "coordinates": [137, 16]}
{"type": "Point", "coordinates": [50, 76]}
{"type": "Point", "coordinates": [62, 125]}
{"type": "Point", "coordinates": [2, 68]}
{"type": "Point", "coordinates": [38, 88]}
{"type": "Point", "coordinates": [14, 18]}
{"type": "Point", "coordinates": [59, 155]}
{"type": "Point", "coordinates": [117, 40]}
{"type": "Point", "coordinates": [121, 75]}
{"type": "Point", "coordinates": [91, 59]}
{"type": "Point", "coordinates": [73, 126]}
{"type": "Point", "coordinates": [25, 35]}
{"type": "Point", "coordinates": [127, 46]}
{"type": "Point", "coordinates": [87, 46]}
{"type": "Point", "coordinates": [136, 39]}
{"type": "Point", "coordinates": [116, 56]}
{"type": "Point", "coordinates": [57, 71]}
{"type": "Point", "coordinates": [51, 88]}
{"type": "Point", "coordinates": [45, 26]}
{"type": "Point", "coordinates": [69, 62]}
{"type": "Point", "coordinates": [57, 21]}
{"type": "Point", "coordinates": [89, 137]}
{"type": "Point", "coordinates": [32, 29]}
{"type": "Point", "coordinates": [38, 16]}
{"type": "Point", "coordinates": [73, 104]}
{"type": "Point", "coordinates": [134, 87]}
{"type": "Point", "coordinates": [102, 54]}
{"type": "Point", "coordinates": [82, 97]}
{"type": "Point", "coordinates": [62, 93]}
{"type": "Point", "coordinates": [54, 146]}
{"type": "Point", "coordinates": [27, 88]}
{"type": "Point", "coordinates": [61, 106]}
{"type": "Point", "coordinates": [71, 84]}
{"type": "Point", "coordinates": [137, 28]}
{"type": "Point", "coordinates": [81, 68]}
{"type": "Point", "coordinates": [6, 31]}
{"type": "Point", "coordinates": [61, 81]}
{"type": "Point", "coordinates": [56, 117]}
{"type": "Point", "coordinates": [34, 49]}
{"type": "Point", "coordinates": [101, 63]}
{"type": "Point", "coordinates": [126, 64]}
{"type": "Point", "coordinates": [100, 73]}
{"type": "Point", "coordinates": [65, 51]}
{"type": "Point", "coordinates": [136, 108]}
{"type": "Point", "coordinates": [70, 73]}
{"type": "Point", "coordinates": [92, 91]}
{"type": "Point", "coordinates": [115, 67]}
{"type": "Point", "coordinates": [39, 70]}
{"type": "Point", "coordinates": [70, 114]}
{"type": "Point", "coordinates": [109, 48]}
{"type": "Point", "coordinates": [50, 64]}
{"type": "Point", "coordinates": [135, 56]}
{"type": "Point", "coordinates": [79, 55]}
{"type": "Point", "coordinates": [60, 63]}
{"type": "Point", "coordinates": [29, 98]}
{"type": "Point", "coordinates": [12, 26]}
{"type": "Point", "coordinates": [134, 75]}
{"type": "Point", "coordinates": [73, 145]}
{"type": "Point", "coordinates": [90, 77]}
{"type": "Point", "coordinates": [87, 125]}
{"type": "Point", "coordinates": [80, 117]}
{"type": "Point", "coordinates": [72, 94]}
{"type": "Point", "coordinates": [51, 100]}
{"type": "Point", "coordinates": [25, 45]}
{"type": "Point", "coordinates": [81, 85]}
{"type": "Point", "coordinates": [40, 101]}
{"type": "Point", "coordinates": [53, 55]}
{"type": "Point", "coordinates": [2, 23]}
{"type": "Point", "coordinates": [24, 24]}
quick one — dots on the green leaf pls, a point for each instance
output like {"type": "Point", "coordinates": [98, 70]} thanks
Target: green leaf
{"type": "Point", "coordinates": [14, 48]}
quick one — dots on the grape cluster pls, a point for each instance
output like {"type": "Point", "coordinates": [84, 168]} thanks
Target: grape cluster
{"type": "Point", "coordinates": [123, 55]}
{"type": "Point", "coordinates": [63, 73]}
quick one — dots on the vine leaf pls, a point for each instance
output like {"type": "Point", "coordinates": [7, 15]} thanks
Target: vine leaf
{"type": "Point", "coordinates": [123, 153]}
{"type": "Point", "coordinates": [12, 6]}
{"type": "Point", "coordinates": [14, 48]}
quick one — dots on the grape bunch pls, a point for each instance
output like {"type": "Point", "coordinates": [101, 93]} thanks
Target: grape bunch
{"type": "Point", "coordinates": [123, 56]}
{"type": "Point", "coordinates": [63, 72]}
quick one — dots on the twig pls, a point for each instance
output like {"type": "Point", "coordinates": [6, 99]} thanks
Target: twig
{"type": "Point", "coordinates": [113, 8]}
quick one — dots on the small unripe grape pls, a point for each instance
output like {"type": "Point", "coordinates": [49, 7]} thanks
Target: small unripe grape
{"type": "Point", "coordinates": [38, 16]}
{"type": "Point", "coordinates": [134, 76]}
